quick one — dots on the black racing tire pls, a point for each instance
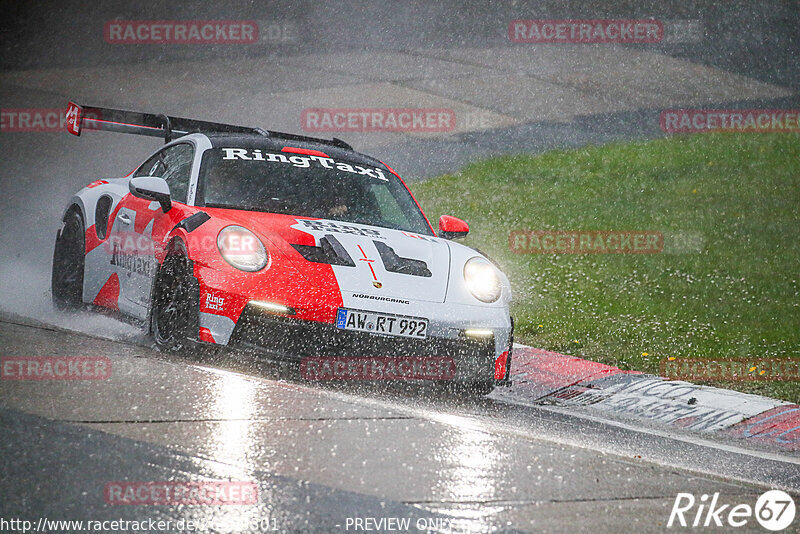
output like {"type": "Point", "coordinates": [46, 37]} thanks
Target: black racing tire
{"type": "Point", "coordinates": [69, 262]}
{"type": "Point", "coordinates": [170, 311]}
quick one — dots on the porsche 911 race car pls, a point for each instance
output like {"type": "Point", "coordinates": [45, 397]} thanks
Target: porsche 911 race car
{"type": "Point", "coordinates": [280, 243]}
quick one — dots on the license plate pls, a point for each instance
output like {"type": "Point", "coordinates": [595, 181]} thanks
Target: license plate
{"type": "Point", "coordinates": [382, 323]}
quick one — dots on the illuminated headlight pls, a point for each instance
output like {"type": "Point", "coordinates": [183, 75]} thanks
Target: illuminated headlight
{"type": "Point", "coordinates": [482, 280]}
{"type": "Point", "coordinates": [242, 249]}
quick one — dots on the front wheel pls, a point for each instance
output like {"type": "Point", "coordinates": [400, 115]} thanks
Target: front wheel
{"type": "Point", "coordinates": [69, 261]}
{"type": "Point", "coordinates": [171, 304]}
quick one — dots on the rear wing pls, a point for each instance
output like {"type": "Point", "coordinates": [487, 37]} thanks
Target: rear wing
{"type": "Point", "coordinates": [134, 122]}
{"type": "Point", "coordinates": [81, 118]}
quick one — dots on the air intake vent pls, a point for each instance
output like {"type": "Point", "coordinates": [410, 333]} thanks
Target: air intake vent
{"type": "Point", "coordinates": [398, 264]}
{"type": "Point", "coordinates": [329, 251]}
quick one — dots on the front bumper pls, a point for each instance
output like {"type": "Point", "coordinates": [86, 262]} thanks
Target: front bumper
{"type": "Point", "coordinates": [297, 339]}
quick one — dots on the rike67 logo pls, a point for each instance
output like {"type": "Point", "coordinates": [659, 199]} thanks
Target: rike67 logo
{"type": "Point", "coordinates": [774, 511]}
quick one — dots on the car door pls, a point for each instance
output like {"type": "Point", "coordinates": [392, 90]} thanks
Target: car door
{"type": "Point", "coordinates": [135, 221]}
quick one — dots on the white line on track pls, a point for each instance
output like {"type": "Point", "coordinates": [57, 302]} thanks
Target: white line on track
{"type": "Point", "coordinates": [479, 422]}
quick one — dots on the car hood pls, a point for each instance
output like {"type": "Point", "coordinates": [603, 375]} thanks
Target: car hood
{"type": "Point", "coordinates": [386, 263]}
{"type": "Point", "coordinates": [382, 262]}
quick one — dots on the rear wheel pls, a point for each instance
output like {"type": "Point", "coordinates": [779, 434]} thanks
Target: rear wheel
{"type": "Point", "coordinates": [171, 304]}
{"type": "Point", "coordinates": [66, 282]}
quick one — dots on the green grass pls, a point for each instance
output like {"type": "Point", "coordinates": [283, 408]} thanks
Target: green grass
{"type": "Point", "coordinates": [727, 284]}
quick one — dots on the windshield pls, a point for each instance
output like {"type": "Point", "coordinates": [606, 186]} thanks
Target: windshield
{"type": "Point", "coordinates": [307, 186]}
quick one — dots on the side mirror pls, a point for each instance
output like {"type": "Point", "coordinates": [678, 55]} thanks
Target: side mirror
{"type": "Point", "coordinates": [151, 188]}
{"type": "Point", "coordinates": [452, 227]}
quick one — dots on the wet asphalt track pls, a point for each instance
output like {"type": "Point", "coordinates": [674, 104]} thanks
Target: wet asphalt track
{"type": "Point", "coordinates": [321, 455]}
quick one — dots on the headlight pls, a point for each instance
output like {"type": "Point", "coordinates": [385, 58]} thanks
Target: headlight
{"type": "Point", "coordinates": [241, 248]}
{"type": "Point", "coordinates": [482, 280]}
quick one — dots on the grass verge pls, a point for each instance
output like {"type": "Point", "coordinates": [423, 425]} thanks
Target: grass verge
{"type": "Point", "coordinates": [726, 285]}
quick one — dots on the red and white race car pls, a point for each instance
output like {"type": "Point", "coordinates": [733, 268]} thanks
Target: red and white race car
{"type": "Point", "coordinates": [287, 244]}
